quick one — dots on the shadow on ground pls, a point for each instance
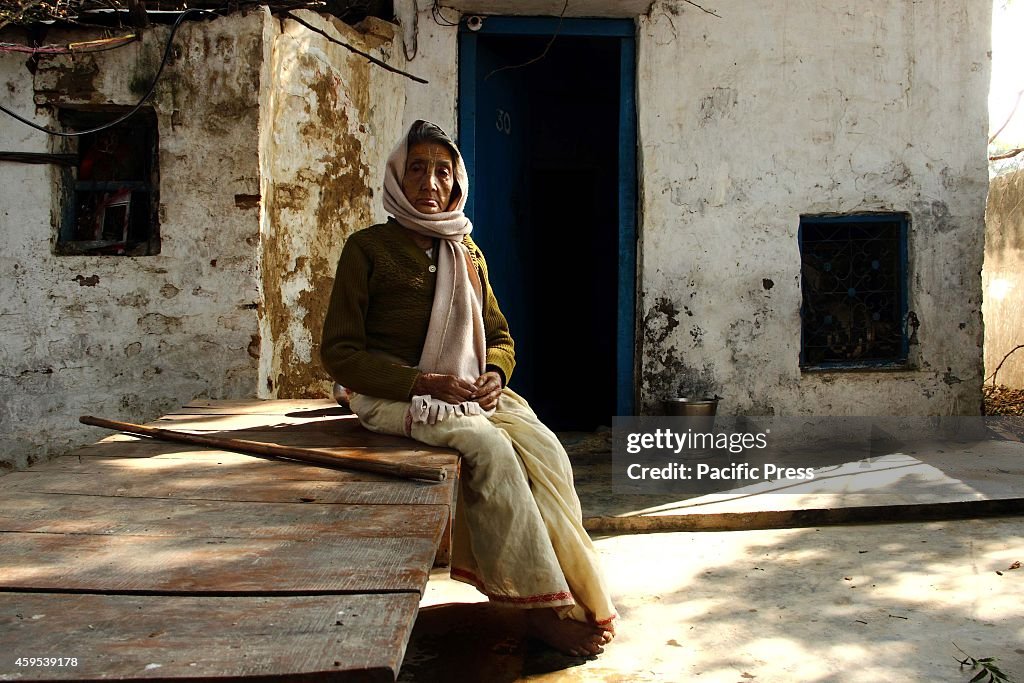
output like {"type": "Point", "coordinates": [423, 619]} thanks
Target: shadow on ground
{"type": "Point", "coordinates": [470, 643]}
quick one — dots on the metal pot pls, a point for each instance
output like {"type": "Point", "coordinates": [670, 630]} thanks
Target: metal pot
{"type": "Point", "coordinates": [691, 407]}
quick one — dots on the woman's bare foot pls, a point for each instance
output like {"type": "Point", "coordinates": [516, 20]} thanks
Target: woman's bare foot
{"type": "Point", "coordinates": [567, 635]}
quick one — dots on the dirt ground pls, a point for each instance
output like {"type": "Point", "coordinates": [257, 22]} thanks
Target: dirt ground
{"type": "Point", "coordinates": [849, 604]}
{"type": "Point", "coordinates": [858, 605]}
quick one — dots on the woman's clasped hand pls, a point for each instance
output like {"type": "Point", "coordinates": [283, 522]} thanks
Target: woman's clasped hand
{"type": "Point", "coordinates": [485, 390]}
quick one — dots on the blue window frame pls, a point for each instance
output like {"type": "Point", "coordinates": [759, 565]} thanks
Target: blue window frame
{"type": "Point", "coordinates": [854, 286]}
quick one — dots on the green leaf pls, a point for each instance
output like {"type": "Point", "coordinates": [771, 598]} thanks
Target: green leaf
{"type": "Point", "coordinates": [998, 672]}
{"type": "Point", "coordinates": [981, 675]}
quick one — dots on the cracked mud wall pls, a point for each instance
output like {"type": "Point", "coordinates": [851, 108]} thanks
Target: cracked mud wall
{"type": "Point", "coordinates": [748, 121]}
{"type": "Point", "coordinates": [328, 121]}
{"type": "Point", "coordinates": [131, 338]}
{"type": "Point", "coordinates": [1004, 278]}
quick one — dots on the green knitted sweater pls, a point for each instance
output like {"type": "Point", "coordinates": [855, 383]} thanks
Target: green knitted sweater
{"type": "Point", "coordinates": [381, 301]}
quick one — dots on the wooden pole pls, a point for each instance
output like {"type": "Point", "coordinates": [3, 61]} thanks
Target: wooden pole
{"type": "Point", "coordinates": [307, 455]}
{"type": "Point", "coordinates": [808, 517]}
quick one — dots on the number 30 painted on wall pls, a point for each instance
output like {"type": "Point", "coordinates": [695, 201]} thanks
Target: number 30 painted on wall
{"type": "Point", "coordinates": [504, 122]}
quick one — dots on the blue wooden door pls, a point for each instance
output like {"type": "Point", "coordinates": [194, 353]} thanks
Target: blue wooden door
{"type": "Point", "coordinates": [550, 148]}
{"type": "Point", "coordinates": [498, 197]}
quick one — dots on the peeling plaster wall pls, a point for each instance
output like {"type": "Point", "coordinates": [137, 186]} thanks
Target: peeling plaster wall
{"type": "Point", "coordinates": [328, 121]}
{"type": "Point", "coordinates": [1004, 278]}
{"type": "Point", "coordinates": [133, 337]}
{"type": "Point", "coordinates": [748, 121]}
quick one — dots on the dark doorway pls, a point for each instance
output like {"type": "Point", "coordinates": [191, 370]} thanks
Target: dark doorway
{"type": "Point", "coordinates": [547, 210]}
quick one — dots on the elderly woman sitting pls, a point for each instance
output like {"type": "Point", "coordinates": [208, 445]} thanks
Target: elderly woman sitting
{"type": "Point", "coordinates": [414, 333]}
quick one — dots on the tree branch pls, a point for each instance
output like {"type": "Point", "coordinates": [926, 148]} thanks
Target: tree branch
{"type": "Point", "coordinates": [1008, 118]}
{"type": "Point", "coordinates": [996, 371]}
{"type": "Point", "coordinates": [1006, 155]}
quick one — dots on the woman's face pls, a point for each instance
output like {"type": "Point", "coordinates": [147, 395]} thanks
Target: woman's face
{"type": "Point", "coordinates": [429, 177]}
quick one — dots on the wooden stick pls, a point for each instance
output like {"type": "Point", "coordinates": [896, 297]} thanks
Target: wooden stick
{"type": "Point", "coordinates": [307, 455]}
{"type": "Point", "coordinates": [809, 517]}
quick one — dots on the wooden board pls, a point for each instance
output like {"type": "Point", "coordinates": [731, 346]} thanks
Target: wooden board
{"type": "Point", "coordinates": [215, 564]}
{"type": "Point", "coordinates": [321, 434]}
{"type": "Point", "coordinates": [144, 448]}
{"type": "Point", "coordinates": [56, 513]}
{"type": "Point", "coordinates": [251, 479]}
{"type": "Point", "coordinates": [337, 637]}
{"type": "Point", "coordinates": [218, 422]}
{"type": "Point", "coordinates": [203, 551]}
{"type": "Point", "coordinates": [257, 407]}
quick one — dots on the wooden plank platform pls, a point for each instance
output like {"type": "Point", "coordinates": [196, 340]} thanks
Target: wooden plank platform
{"type": "Point", "coordinates": [167, 638]}
{"type": "Point", "coordinates": [158, 561]}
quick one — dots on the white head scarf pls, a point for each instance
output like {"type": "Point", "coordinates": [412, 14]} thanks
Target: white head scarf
{"type": "Point", "coordinates": [456, 342]}
{"type": "Point", "coordinates": [451, 224]}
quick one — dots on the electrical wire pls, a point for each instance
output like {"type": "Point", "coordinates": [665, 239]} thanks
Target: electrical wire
{"type": "Point", "coordinates": [439, 18]}
{"type": "Point", "coordinates": [542, 55]}
{"type": "Point", "coordinates": [366, 55]}
{"type": "Point", "coordinates": [120, 119]}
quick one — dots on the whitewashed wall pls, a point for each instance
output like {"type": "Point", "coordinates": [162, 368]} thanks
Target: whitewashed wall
{"type": "Point", "coordinates": [779, 109]}
{"type": "Point", "coordinates": [766, 112]}
{"type": "Point", "coordinates": [131, 338]}
{"type": "Point", "coordinates": [436, 60]}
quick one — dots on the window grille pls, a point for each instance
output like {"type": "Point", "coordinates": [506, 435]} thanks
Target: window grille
{"type": "Point", "coordinates": [854, 284]}
{"type": "Point", "coordinates": [110, 195]}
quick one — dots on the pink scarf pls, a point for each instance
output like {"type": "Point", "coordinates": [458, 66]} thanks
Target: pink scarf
{"type": "Point", "coordinates": [456, 341]}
